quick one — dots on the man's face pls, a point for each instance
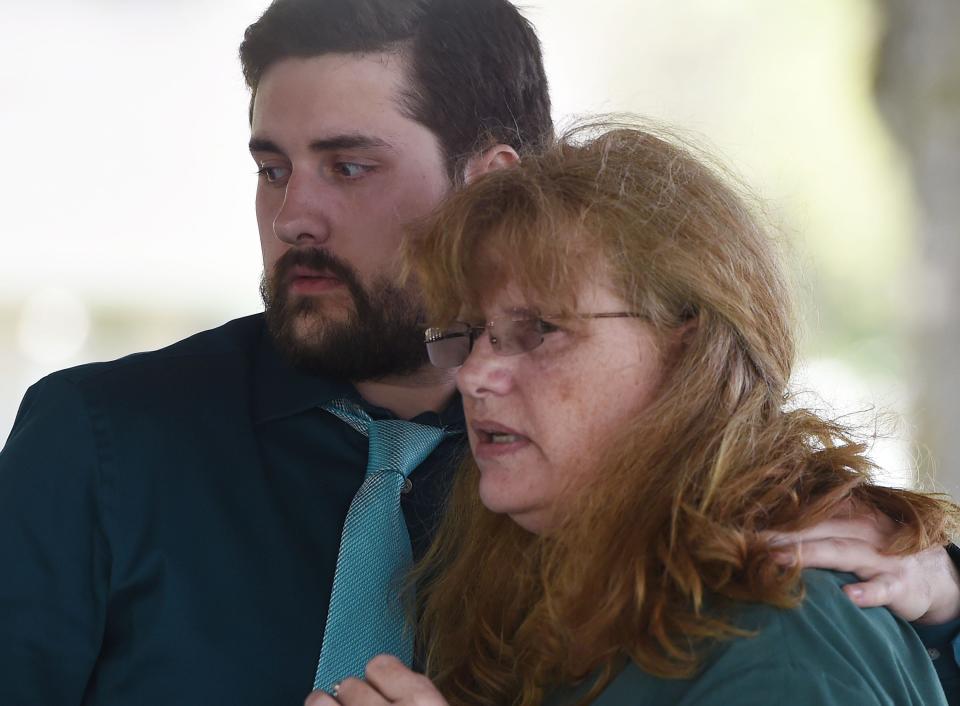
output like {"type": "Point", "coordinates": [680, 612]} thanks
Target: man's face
{"type": "Point", "coordinates": [342, 170]}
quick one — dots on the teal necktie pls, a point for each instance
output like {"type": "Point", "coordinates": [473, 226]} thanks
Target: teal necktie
{"type": "Point", "coordinates": [366, 616]}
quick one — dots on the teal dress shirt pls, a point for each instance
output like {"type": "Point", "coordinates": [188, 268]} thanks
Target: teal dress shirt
{"type": "Point", "coordinates": [825, 652]}
{"type": "Point", "coordinates": [169, 526]}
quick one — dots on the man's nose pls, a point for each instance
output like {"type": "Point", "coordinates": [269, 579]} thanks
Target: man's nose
{"type": "Point", "coordinates": [484, 372]}
{"type": "Point", "coordinates": [303, 218]}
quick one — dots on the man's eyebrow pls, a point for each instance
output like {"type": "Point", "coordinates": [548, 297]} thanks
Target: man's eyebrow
{"type": "Point", "coordinates": [336, 142]}
{"type": "Point", "coordinates": [258, 144]}
{"type": "Point", "coordinates": [347, 142]}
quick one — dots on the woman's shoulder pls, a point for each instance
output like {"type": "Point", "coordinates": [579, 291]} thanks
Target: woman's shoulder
{"type": "Point", "coordinates": [827, 613]}
{"type": "Point", "coordinates": [825, 651]}
{"type": "Point", "coordinates": [828, 619]}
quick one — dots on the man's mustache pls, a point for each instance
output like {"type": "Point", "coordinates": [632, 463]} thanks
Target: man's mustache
{"type": "Point", "coordinates": [318, 259]}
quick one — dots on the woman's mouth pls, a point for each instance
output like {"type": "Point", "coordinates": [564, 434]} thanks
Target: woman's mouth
{"type": "Point", "coordinates": [494, 440]}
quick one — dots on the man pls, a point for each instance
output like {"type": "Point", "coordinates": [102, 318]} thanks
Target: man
{"type": "Point", "coordinates": [170, 522]}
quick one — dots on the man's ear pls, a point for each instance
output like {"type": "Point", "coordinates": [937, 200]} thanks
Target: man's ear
{"type": "Point", "coordinates": [496, 157]}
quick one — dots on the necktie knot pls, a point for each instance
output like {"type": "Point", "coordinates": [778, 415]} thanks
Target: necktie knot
{"type": "Point", "coordinates": [395, 445]}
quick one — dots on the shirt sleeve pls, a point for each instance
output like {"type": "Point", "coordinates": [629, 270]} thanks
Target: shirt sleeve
{"type": "Point", "coordinates": [53, 552]}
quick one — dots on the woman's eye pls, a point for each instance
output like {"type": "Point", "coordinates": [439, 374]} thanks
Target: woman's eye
{"type": "Point", "coordinates": [546, 326]}
{"type": "Point", "coordinates": [351, 170]}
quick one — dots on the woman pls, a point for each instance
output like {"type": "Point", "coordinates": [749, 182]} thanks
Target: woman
{"type": "Point", "coordinates": [632, 449]}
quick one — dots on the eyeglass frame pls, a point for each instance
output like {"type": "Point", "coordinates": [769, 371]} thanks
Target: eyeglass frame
{"type": "Point", "coordinates": [435, 335]}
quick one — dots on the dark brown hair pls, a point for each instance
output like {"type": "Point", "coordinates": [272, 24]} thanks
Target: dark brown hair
{"type": "Point", "coordinates": [476, 71]}
{"type": "Point", "coordinates": [675, 516]}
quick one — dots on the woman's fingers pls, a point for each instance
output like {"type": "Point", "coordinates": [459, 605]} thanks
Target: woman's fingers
{"type": "Point", "coordinates": [320, 698]}
{"type": "Point", "coordinates": [349, 692]}
{"type": "Point", "coordinates": [401, 684]}
{"type": "Point", "coordinates": [388, 681]}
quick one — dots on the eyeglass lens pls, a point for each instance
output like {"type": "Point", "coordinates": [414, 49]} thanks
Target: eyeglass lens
{"type": "Point", "coordinates": [509, 335]}
{"type": "Point", "coordinates": [449, 348]}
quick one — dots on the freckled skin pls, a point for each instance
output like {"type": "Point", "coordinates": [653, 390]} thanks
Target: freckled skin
{"type": "Point", "coordinates": [566, 396]}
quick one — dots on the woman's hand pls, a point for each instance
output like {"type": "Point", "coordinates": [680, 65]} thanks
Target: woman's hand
{"type": "Point", "coordinates": [388, 682]}
{"type": "Point", "coordinates": [922, 588]}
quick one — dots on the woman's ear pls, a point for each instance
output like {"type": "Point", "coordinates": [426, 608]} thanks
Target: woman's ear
{"type": "Point", "coordinates": [689, 330]}
{"type": "Point", "coordinates": [683, 335]}
{"type": "Point", "coordinates": [497, 157]}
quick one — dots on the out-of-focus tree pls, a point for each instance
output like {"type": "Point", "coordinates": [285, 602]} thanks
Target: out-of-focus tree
{"type": "Point", "coordinates": [918, 89]}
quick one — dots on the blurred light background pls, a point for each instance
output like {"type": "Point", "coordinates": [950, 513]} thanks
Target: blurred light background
{"type": "Point", "coordinates": [127, 193]}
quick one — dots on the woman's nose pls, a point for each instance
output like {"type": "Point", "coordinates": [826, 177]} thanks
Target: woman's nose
{"type": "Point", "coordinates": [484, 372]}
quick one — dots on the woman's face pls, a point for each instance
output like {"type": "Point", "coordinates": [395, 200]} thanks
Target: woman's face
{"type": "Point", "coordinates": [537, 420]}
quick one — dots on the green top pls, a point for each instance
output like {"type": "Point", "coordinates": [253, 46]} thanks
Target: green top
{"type": "Point", "coordinates": [824, 652]}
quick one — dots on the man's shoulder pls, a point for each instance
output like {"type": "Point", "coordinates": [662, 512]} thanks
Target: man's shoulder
{"type": "Point", "coordinates": [213, 362]}
{"type": "Point", "coordinates": [235, 339]}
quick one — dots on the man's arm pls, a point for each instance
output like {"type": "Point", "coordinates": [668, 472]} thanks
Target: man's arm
{"type": "Point", "coordinates": [922, 588]}
{"type": "Point", "coordinates": [54, 558]}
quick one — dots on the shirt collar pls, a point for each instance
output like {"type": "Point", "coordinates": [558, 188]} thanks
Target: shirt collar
{"type": "Point", "coordinates": [280, 390]}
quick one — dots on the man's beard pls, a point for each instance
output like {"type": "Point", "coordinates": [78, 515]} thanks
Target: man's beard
{"type": "Point", "coordinates": [381, 336]}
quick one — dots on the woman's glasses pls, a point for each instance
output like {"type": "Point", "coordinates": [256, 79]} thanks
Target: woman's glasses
{"type": "Point", "coordinates": [513, 334]}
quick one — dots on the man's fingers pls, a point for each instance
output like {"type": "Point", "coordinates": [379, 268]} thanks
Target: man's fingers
{"type": "Point", "coordinates": [893, 591]}
{"type": "Point", "coordinates": [924, 587]}
{"type": "Point", "coordinates": [851, 555]}
{"type": "Point", "coordinates": [884, 580]}
{"type": "Point", "coordinates": [881, 590]}
{"type": "Point", "coordinates": [398, 683]}
{"type": "Point", "coordinates": [937, 575]}
{"type": "Point", "coordinates": [873, 529]}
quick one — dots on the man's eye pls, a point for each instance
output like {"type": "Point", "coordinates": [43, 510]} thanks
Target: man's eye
{"type": "Point", "coordinates": [351, 170]}
{"type": "Point", "coordinates": [273, 175]}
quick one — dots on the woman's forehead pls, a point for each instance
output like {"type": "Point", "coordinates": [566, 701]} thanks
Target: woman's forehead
{"type": "Point", "coordinates": [512, 296]}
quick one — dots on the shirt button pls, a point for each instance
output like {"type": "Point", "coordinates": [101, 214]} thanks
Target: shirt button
{"type": "Point", "coordinates": [934, 653]}
{"type": "Point", "coordinates": [407, 486]}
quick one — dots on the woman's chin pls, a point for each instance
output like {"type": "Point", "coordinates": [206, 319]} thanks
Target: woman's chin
{"type": "Point", "coordinates": [528, 515]}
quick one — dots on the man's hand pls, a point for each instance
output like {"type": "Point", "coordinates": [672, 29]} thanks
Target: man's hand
{"type": "Point", "coordinates": [922, 588]}
{"type": "Point", "coordinates": [388, 682]}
